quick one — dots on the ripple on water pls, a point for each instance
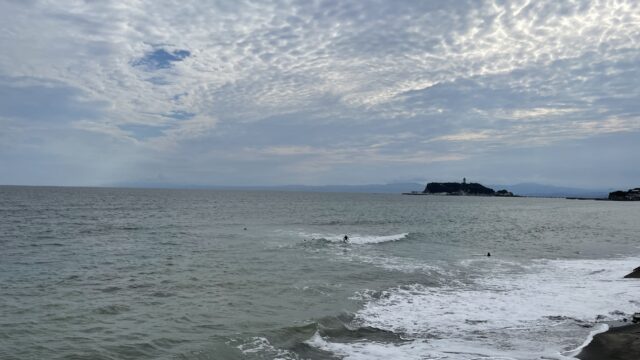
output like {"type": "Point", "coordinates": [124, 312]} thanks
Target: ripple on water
{"type": "Point", "coordinates": [162, 294]}
{"type": "Point", "coordinates": [113, 309]}
{"type": "Point", "coordinates": [110, 289]}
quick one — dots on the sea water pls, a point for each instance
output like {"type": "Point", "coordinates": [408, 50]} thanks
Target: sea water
{"type": "Point", "coordinates": [90, 273]}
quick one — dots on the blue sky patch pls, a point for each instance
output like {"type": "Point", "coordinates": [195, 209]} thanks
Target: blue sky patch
{"type": "Point", "coordinates": [34, 99]}
{"type": "Point", "coordinates": [161, 59]}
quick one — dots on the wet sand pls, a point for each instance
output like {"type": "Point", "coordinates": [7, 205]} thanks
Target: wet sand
{"type": "Point", "coordinates": [619, 343]}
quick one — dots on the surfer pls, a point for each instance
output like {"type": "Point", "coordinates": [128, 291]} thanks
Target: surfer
{"type": "Point", "coordinates": [488, 254]}
{"type": "Point", "coordinates": [345, 239]}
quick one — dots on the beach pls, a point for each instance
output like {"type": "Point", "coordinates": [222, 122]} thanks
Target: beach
{"type": "Point", "coordinates": [618, 343]}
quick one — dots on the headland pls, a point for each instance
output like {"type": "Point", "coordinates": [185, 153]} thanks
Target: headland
{"type": "Point", "coordinates": [630, 195]}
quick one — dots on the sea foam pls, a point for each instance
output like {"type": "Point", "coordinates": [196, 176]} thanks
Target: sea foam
{"type": "Point", "coordinates": [545, 309]}
{"type": "Point", "coordinates": [261, 346]}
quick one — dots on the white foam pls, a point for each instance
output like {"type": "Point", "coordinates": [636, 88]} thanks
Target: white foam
{"type": "Point", "coordinates": [574, 289]}
{"type": "Point", "coordinates": [515, 312]}
{"type": "Point", "coordinates": [370, 350]}
{"type": "Point", "coordinates": [599, 329]}
{"type": "Point", "coordinates": [402, 264]}
{"type": "Point", "coordinates": [413, 350]}
{"type": "Point", "coordinates": [262, 346]}
{"type": "Point", "coordinates": [357, 239]}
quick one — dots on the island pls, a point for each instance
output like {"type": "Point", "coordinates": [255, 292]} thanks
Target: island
{"type": "Point", "coordinates": [631, 195]}
{"type": "Point", "coordinates": [460, 189]}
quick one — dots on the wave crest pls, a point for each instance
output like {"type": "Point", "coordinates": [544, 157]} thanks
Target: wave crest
{"type": "Point", "coordinates": [356, 239]}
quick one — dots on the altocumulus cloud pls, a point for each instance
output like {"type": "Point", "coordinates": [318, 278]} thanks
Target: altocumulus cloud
{"type": "Point", "coordinates": [319, 92]}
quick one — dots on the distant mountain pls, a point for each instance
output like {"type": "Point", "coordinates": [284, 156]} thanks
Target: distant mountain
{"type": "Point", "coordinates": [395, 188]}
{"type": "Point", "coordinates": [532, 189]}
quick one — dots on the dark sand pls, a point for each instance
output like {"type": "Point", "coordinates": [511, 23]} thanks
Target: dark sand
{"type": "Point", "coordinates": [619, 343]}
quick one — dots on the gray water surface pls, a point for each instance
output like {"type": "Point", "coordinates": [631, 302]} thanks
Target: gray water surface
{"type": "Point", "coordinates": [90, 273]}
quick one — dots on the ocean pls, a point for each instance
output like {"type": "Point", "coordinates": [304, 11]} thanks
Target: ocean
{"type": "Point", "coordinates": [99, 273]}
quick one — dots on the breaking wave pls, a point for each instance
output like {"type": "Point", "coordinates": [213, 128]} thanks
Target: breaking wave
{"type": "Point", "coordinates": [547, 310]}
{"type": "Point", "coordinates": [356, 239]}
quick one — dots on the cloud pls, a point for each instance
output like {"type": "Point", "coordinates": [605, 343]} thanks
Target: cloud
{"type": "Point", "coordinates": [464, 136]}
{"type": "Point", "coordinates": [339, 82]}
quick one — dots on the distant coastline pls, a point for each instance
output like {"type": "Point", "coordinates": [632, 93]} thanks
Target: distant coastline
{"type": "Point", "coordinates": [477, 189]}
{"type": "Point", "coordinates": [619, 195]}
{"type": "Point", "coordinates": [532, 190]}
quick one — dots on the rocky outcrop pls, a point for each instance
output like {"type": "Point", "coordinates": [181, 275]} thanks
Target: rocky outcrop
{"type": "Point", "coordinates": [631, 195]}
{"type": "Point", "coordinates": [453, 188]}
{"type": "Point", "coordinates": [634, 274]}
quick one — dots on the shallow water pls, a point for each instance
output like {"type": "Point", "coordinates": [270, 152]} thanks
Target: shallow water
{"type": "Point", "coordinates": [165, 274]}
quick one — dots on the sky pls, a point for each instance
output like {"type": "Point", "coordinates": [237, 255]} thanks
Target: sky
{"type": "Point", "coordinates": [100, 93]}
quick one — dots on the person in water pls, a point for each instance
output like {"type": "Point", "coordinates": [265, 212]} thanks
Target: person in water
{"type": "Point", "coordinates": [345, 239]}
{"type": "Point", "coordinates": [488, 254]}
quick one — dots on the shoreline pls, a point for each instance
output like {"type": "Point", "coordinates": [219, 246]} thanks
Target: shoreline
{"type": "Point", "coordinates": [511, 196]}
{"type": "Point", "coordinates": [616, 343]}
